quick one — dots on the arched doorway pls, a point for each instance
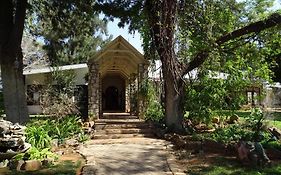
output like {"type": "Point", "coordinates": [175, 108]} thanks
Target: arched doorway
{"type": "Point", "coordinates": [111, 98]}
{"type": "Point", "coordinates": [113, 93]}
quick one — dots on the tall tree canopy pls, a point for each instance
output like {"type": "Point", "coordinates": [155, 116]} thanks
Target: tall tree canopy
{"type": "Point", "coordinates": [204, 28]}
{"type": "Point", "coordinates": [71, 30]}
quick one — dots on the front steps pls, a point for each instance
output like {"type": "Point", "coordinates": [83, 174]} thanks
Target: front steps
{"type": "Point", "coordinates": [115, 126]}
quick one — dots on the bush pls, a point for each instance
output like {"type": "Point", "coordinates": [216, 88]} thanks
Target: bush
{"type": "Point", "coordinates": [38, 136]}
{"type": "Point", "coordinates": [57, 99]}
{"type": "Point", "coordinates": [36, 154]}
{"type": "Point", "coordinates": [231, 133]}
{"type": "Point", "coordinates": [66, 127]}
{"type": "Point", "coordinates": [39, 133]}
{"type": "Point", "coordinates": [154, 112]}
{"type": "Point", "coordinates": [154, 109]}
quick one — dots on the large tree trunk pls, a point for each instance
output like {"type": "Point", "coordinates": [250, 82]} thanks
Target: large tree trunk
{"type": "Point", "coordinates": [11, 30]}
{"type": "Point", "coordinates": [162, 18]}
{"type": "Point", "coordinates": [14, 91]}
{"type": "Point", "coordinates": [173, 105]}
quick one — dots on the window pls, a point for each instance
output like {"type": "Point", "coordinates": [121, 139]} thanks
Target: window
{"type": "Point", "coordinates": [33, 94]}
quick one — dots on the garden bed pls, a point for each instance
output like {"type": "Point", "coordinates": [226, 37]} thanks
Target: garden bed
{"type": "Point", "coordinates": [212, 158]}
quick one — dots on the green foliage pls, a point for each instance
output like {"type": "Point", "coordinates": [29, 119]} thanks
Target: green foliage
{"type": "Point", "coordinates": [38, 136]}
{"type": "Point", "coordinates": [272, 144]}
{"type": "Point", "coordinates": [208, 96]}
{"type": "Point", "coordinates": [154, 109]}
{"type": "Point", "coordinates": [255, 121]}
{"type": "Point", "coordinates": [71, 30]}
{"type": "Point", "coordinates": [154, 112]}
{"type": "Point", "coordinates": [82, 137]}
{"type": "Point", "coordinates": [65, 128]}
{"type": "Point", "coordinates": [36, 154]}
{"type": "Point", "coordinates": [40, 132]}
{"type": "Point", "coordinates": [231, 133]}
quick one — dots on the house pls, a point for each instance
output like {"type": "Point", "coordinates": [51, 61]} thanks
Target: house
{"type": "Point", "coordinates": [115, 74]}
{"type": "Point", "coordinates": [114, 77]}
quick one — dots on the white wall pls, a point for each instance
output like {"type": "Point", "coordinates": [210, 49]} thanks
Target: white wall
{"type": "Point", "coordinates": [42, 79]}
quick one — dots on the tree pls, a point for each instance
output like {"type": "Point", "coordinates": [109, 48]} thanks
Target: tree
{"type": "Point", "coordinates": [71, 30]}
{"type": "Point", "coordinates": [161, 19]}
{"type": "Point", "coordinates": [12, 16]}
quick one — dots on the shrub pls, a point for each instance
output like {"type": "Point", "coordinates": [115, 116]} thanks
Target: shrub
{"type": "Point", "coordinates": [36, 154]}
{"type": "Point", "coordinates": [40, 132]}
{"type": "Point", "coordinates": [57, 99]}
{"type": "Point", "coordinates": [37, 136]}
{"type": "Point", "coordinates": [231, 133]}
{"type": "Point", "coordinates": [154, 112]}
{"type": "Point", "coordinates": [154, 109]}
{"type": "Point", "coordinates": [65, 128]}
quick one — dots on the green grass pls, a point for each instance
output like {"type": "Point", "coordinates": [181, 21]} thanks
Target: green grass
{"type": "Point", "coordinates": [275, 123]}
{"type": "Point", "coordinates": [223, 166]}
{"type": "Point", "coordinates": [273, 118]}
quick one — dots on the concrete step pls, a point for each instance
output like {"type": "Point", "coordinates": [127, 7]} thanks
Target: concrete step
{"type": "Point", "coordinates": [119, 136]}
{"type": "Point", "coordinates": [124, 131]}
{"type": "Point", "coordinates": [119, 121]}
{"type": "Point", "coordinates": [102, 126]}
{"type": "Point", "coordinates": [119, 117]}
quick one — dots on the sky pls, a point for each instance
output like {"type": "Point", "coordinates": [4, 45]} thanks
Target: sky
{"type": "Point", "coordinates": [135, 39]}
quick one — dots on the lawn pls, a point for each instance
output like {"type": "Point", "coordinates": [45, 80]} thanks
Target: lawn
{"type": "Point", "coordinates": [219, 165]}
{"type": "Point", "coordinates": [272, 118]}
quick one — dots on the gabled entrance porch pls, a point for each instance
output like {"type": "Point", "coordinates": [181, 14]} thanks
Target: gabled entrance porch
{"type": "Point", "coordinates": [115, 76]}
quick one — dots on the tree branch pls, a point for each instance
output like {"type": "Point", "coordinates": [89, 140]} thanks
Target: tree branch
{"type": "Point", "coordinates": [256, 27]}
{"type": "Point", "coordinates": [200, 58]}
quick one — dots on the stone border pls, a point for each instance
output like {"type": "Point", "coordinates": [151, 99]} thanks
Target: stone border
{"type": "Point", "coordinates": [172, 161]}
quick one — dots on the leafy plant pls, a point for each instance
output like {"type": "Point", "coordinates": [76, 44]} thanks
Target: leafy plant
{"type": "Point", "coordinates": [41, 132]}
{"type": "Point", "coordinates": [38, 137]}
{"type": "Point", "coordinates": [35, 154]}
{"type": "Point", "coordinates": [65, 128]}
{"type": "Point", "coordinates": [154, 112]}
{"type": "Point", "coordinates": [154, 109]}
{"type": "Point", "coordinates": [83, 137]}
{"type": "Point", "coordinates": [231, 133]}
{"type": "Point", "coordinates": [255, 121]}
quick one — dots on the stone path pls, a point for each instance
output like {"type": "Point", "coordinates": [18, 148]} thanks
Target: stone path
{"type": "Point", "coordinates": [138, 156]}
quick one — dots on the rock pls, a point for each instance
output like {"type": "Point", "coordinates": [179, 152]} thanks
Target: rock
{"type": "Point", "coordinates": [275, 132]}
{"type": "Point", "coordinates": [32, 165]}
{"type": "Point", "coordinates": [4, 163]}
{"type": "Point", "coordinates": [215, 120]}
{"type": "Point", "coordinates": [72, 142]}
{"type": "Point", "coordinates": [47, 161]}
{"type": "Point", "coordinates": [60, 152]}
{"type": "Point", "coordinates": [12, 139]}
{"type": "Point", "coordinates": [16, 164]}
{"type": "Point", "coordinates": [233, 119]}
{"type": "Point", "coordinates": [55, 143]}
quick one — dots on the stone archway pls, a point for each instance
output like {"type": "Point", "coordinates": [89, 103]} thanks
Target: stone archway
{"type": "Point", "coordinates": [121, 68]}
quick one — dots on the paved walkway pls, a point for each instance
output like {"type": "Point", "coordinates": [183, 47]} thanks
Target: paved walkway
{"type": "Point", "coordinates": [136, 156]}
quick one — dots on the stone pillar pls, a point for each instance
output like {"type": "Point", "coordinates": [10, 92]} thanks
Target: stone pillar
{"type": "Point", "coordinates": [133, 94]}
{"type": "Point", "coordinates": [94, 90]}
{"type": "Point", "coordinates": [140, 102]}
{"type": "Point", "coordinates": [127, 96]}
